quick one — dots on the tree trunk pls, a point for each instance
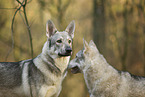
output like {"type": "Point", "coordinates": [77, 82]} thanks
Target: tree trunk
{"type": "Point", "coordinates": [99, 24]}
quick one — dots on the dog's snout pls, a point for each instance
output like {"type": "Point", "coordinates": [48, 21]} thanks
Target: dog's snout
{"type": "Point", "coordinates": [68, 50]}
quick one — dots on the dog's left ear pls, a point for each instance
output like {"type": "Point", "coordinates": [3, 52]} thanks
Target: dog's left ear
{"type": "Point", "coordinates": [50, 28]}
{"type": "Point", "coordinates": [71, 28]}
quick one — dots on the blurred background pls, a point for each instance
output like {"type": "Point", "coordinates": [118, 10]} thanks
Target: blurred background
{"type": "Point", "coordinates": [116, 26]}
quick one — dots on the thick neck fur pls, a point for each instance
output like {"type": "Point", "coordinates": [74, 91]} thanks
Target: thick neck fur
{"type": "Point", "coordinates": [97, 70]}
{"type": "Point", "coordinates": [60, 62]}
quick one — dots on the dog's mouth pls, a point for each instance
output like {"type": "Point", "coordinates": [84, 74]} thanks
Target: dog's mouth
{"type": "Point", "coordinates": [64, 55]}
{"type": "Point", "coordinates": [75, 70]}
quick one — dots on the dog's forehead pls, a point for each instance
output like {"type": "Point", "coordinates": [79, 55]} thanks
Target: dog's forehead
{"type": "Point", "coordinates": [63, 35]}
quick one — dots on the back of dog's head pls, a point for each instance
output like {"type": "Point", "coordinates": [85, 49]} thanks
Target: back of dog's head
{"type": "Point", "coordinates": [83, 57]}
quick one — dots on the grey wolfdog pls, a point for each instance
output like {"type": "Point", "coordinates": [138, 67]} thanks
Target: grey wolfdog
{"type": "Point", "coordinates": [43, 75]}
{"type": "Point", "coordinates": [102, 79]}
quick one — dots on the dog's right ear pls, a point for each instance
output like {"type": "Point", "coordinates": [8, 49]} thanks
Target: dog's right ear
{"type": "Point", "coordinates": [50, 28]}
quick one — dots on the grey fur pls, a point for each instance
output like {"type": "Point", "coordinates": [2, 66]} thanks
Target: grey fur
{"type": "Point", "coordinates": [102, 79]}
{"type": "Point", "coordinates": [43, 75]}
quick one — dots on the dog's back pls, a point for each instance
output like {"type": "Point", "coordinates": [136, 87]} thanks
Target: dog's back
{"type": "Point", "coordinates": [131, 85]}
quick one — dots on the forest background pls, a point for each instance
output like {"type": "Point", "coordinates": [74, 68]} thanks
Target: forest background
{"type": "Point", "coordinates": [116, 26]}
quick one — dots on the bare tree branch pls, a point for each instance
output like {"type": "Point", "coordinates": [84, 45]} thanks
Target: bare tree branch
{"type": "Point", "coordinates": [12, 33]}
{"type": "Point", "coordinates": [8, 8]}
{"type": "Point", "coordinates": [22, 5]}
{"type": "Point", "coordinates": [28, 28]}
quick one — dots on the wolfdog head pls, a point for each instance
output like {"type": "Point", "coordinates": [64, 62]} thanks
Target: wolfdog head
{"type": "Point", "coordinates": [59, 43]}
{"type": "Point", "coordinates": [83, 57]}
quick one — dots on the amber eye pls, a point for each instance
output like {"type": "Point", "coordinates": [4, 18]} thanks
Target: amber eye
{"type": "Point", "coordinates": [59, 41]}
{"type": "Point", "coordinates": [69, 41]}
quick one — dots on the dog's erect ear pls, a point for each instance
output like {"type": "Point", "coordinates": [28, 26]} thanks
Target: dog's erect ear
{"type": "Point", "coordinates": [92, 44]}
{"type": "Point", "coordinates": [50, 28]}
{"type": "Point", "coordinates": [86, 46]}
{"type": "Point", "coordinates": [71, 28]}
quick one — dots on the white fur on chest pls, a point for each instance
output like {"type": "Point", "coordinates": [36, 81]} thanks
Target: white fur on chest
{"type": "Point", "coordinates": [62, 63]}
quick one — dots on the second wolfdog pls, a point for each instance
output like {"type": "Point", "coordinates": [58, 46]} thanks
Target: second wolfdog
{"type": "Point", "coordinates": [102, 79]}
{"type": "Point", "coordinates": [43, 75]}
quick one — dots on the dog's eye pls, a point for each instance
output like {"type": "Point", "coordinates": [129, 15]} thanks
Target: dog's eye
{"type": "Point", "coordinates": [59, 41]}
{"type": "Point", "coordinates": [69, 41]}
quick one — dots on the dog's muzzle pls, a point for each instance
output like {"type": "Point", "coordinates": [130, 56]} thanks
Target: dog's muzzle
{"type": "Point", "coordinates": [68, 52]}
{"type": "Point", "coordinates": [74, 67]}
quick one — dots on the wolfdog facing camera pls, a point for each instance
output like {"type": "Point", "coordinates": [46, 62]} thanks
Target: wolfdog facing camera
{"type": "Point", "coordinates": [43, 75]}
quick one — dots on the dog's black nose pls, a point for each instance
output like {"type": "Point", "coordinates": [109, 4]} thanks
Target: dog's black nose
{"type": "Point", "coordinates": [68, 50]}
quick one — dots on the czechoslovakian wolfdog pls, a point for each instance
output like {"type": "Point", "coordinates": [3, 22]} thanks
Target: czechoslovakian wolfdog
{"type": "Point", "coordinates": [102, 79]}
{"type": "Point", "coordinates": [43, 75]}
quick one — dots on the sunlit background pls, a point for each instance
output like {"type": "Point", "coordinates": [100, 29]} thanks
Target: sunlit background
{"type": "Point", "coordinates": [116, 26]}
